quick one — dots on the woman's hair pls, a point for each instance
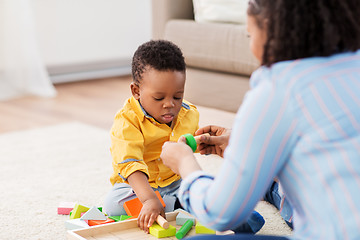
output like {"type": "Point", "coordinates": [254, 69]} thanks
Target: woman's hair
{"type": "Point", "coordinates": [160, 55]}
{"type": "Point", "coordinates": [306, 28]}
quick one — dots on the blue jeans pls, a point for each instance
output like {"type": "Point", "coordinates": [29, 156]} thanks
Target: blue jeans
{"type": "Point", "coordinates": [279, 200]}
{"type": "Point", "coordinates": [237, 237]}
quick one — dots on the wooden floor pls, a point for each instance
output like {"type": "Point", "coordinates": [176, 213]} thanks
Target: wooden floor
{"type": "Point", "coordinates": [93, 102]}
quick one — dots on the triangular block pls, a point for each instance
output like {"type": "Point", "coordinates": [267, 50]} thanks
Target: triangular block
{"type": "Point", "coordinates": [124, 217]}
{"type": "Point", "coordinates": [99, 222]}
{"type": "Point", "coordinates": [93, 214]}
{"type": "Point", "coordinates": [201, 229]}
{"type": "Point", "coordinates": [78, 209]}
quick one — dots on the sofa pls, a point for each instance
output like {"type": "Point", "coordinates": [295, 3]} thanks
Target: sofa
{"type": "Point", "coordinates": [217, 54]}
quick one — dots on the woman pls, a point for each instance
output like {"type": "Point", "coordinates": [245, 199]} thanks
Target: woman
{"type": "Point", "coordinates": [300, 122]}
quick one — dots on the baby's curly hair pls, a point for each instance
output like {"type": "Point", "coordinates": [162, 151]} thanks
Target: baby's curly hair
{"type": "Point", "coordinates": [161, 55]}
{"type": "Point", "coordinates": [306, 28]}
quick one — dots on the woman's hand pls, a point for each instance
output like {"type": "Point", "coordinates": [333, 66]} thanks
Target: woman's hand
{"type": "Point", "coordinates": [216, 143]}
{"type": "Point", "coordinates": [179, 157]}
{"type": "Point", "coordinates": [150, 210]}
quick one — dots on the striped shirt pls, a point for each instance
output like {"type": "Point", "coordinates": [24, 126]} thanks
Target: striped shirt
{"type": "Point", "coordinates": [300, 122]}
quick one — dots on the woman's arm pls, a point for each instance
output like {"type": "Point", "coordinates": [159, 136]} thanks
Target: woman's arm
{"type": "Point", "coordinates": [260, 143]}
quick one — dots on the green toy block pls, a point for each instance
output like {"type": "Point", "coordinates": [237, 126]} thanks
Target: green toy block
{"type": "Point", "coordinates": [190, 140]}
{"type": "Point", "coordinates": [184, 229]}
{"type": "Point", "coordinates": [119, 218]}
{"type": "Point", "coordinates": [159, 232]}
{"type": "Point", "coordinates": [124, 217]}
{"type": "Point", "coordinates": [115, 218]}
{"type": "Point", "coordinates": [201, 229]}
{"type": "Point", "coordinates": [78, 209]}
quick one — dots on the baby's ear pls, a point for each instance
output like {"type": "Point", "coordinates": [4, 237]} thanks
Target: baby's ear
{"type": "Point", "coordinates": [135, 90]}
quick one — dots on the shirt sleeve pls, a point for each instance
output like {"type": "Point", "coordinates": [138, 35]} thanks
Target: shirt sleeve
{"type": "Point", "coordinates": [127, 147]}
{"type": "Point", "coordinates": [261, 141]}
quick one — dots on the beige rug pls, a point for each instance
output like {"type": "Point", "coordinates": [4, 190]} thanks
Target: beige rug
{"type": "Point", "coordinates": [71, 162]}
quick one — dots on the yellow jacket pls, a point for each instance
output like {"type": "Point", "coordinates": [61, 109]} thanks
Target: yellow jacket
{"type": "Point", "coordinates": [137, 139]}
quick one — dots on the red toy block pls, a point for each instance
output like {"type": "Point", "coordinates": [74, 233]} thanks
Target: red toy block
{"type": "Point", "coordinates": [99, 222]}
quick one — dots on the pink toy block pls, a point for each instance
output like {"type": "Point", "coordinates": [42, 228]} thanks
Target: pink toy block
{"type": "Point", "coordinates": [65, 208]}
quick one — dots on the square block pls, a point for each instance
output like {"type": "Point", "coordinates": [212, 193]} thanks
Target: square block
{"type": "Point", "coordinates": [159, 232]}
{"type": "Point", "coordinates": [133, 206]}
{"type": "Point", "coordinates": [65, 208]}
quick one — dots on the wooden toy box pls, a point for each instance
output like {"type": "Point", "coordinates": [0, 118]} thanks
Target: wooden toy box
{"type": "Point", "coordinates": [124, 230]}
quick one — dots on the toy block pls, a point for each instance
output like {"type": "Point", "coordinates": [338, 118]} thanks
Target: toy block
{"type": "Point", "coordinates": [124, 217]}
{"type": "Point", "coordinates": [77, 223]}
{"type": "Point", "coordinates": [99, 222]}
{"type": "Point", "coordinates": [190, 140]}
{"type": "Point", "coordinates": [181, 218]}
{"type": "Point", "coordinates": [193, 141]}
{"type": "Point", "coordinates": [78, 209]}
{"type": "Point", "coordinates": [159, 232]}
{"type": "Point", "coordinates": [133, 208]}
{"type": "Point", "coordinates": [121, 218]}
{"type": "Point", "coordinates": [184, 229]}
{"type": "Point", "coordinates": [201, 229]}
{"type": "Point", "coordinates": [93, 214]}
{"type": "Point", "coordinates": [65, 208]}
{"type": "Point", "coordinates": [115, 218]}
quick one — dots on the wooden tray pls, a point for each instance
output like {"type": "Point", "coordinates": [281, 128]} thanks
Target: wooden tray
{"type": "Point", "coordinates": [125, 230]}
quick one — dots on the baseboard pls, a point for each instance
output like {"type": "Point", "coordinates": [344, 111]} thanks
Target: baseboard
{"type": "Point", "coordinates": [70, 72]}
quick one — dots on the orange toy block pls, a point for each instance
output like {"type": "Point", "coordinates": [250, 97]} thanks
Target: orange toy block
{"type": "Point", "coordinates": [99, 222]}
{"type": "Point", "coordinates": [133, 208]}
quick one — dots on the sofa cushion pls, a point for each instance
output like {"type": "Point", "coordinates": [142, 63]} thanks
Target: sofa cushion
{"type": "Point", "coordinates": [213, 46]}
{"type": "Point", "coordinates": [230, 11]}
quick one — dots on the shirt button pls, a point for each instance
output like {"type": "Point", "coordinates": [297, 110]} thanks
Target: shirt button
{"type": "Point", "coordinates": [154, 123]}
{"type": "Point", "coordinates": [159, 178]}
{"type": "Point", "coordinates": [172, 134]}
{"type": "Point", "coordinates": [158, 159]}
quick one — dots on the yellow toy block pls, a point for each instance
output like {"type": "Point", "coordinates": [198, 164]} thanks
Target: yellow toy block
{"type": "Point", "coordinates": [201, 229]}
{"type": "Point", "coordinates": [159, 232]}
{"type": "Point", "coordinates": [78, 209]}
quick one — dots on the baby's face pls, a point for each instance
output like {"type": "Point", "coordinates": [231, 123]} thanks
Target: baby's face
{"type": "Point", "coordinates": [161, 94]}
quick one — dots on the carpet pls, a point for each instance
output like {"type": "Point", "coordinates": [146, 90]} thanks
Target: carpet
{"type": "Point", "coordinates": [71, 162]}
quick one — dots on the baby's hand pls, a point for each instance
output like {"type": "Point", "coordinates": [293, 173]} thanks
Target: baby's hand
{"type": "Point", "coordinates": [149, 212]}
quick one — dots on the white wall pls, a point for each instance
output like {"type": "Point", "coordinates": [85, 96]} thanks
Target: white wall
{"type": "Point", "coordinates": [76, 36]}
